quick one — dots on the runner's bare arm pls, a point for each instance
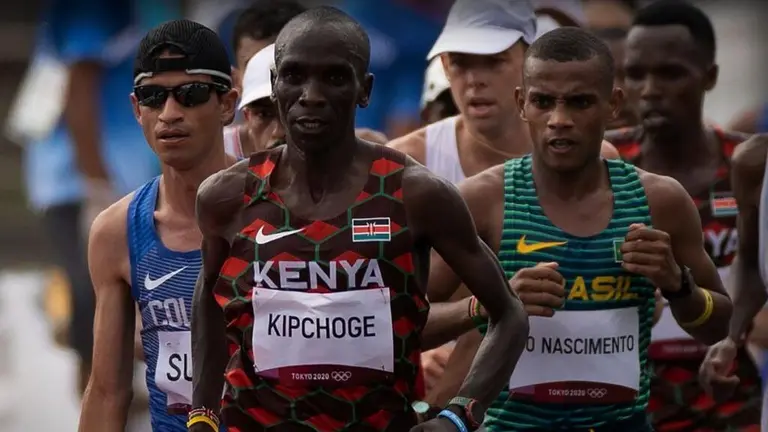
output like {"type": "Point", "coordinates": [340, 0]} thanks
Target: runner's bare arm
{"type": "Point", "coordinates": [483, 194]}
{"type": "Point", "coordinates": [676, 216]}
{"type": "Point", "coordinates": [413, 144]}
{"type": "Point", "coordinates": [110, 389]}
{"type": "Point", "coordinates": [219, 198]}
{"type": "Point", "coordinates": [440, 219]}
{"type": "Point", "coordinates": [456, 369]}
{"type": "Point", "coordinates": [446, 322]}
{"type": "Point", "coordinates": [749, 293]}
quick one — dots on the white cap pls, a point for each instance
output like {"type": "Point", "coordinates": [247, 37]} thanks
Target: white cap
{"type": "Point", "coordinates": [435, 82]}
{"type": "Point", "coordinates": [545, 24]}
{"type": "Point", "coordinates": [485, 27]}
{"type": "Point", "coordinates": [257, 82]}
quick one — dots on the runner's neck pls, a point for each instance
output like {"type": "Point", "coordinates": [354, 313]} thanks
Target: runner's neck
{"type": "Point", "coordinates": [322, 171]}
{"type": "Point", "coordinates": [509, 141]}
{"type": "Point", "coordinates": [179, 188]}
{"type": "Point", "coordinates": [689, 146]}
{"type": "Point", "coordinates": [569, 186]}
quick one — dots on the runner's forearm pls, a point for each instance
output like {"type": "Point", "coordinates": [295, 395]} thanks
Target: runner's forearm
{"type": "Point", "coordinates": [209, 349]}
{"type": "Point", "coordinates": [749, 297]}
{"type": "Point", "coordinates": [446, 322]}
{"type": "Point", "coordinates": [105, 411]}
{"type": "Point", "coordinates": [689, 309]}
{"type": "Point", "coordinates": [456, 370]}
{"type": "Point", "coordinates": [504, 340]}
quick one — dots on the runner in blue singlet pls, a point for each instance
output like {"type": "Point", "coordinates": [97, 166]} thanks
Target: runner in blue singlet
{"type": "Point", "coordinates": [145, 248]}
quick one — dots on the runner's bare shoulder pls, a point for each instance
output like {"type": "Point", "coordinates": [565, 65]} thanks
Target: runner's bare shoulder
{"type": "Point", "coordinates": [484, 195]}
{"type": "Point", "coordinates": [669, 203]}
{"type": "Point", "coordinates": [108, 240]}
{"type": "Point", "coordinates": [413, 144]}
{"type": "Point", "coordinates": [220, 198]}
{"type": "Point", "coordinates": [748, 160]}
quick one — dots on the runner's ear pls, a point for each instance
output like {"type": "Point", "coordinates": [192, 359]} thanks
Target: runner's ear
{"type": "Point", "coordinates": [520, 99]}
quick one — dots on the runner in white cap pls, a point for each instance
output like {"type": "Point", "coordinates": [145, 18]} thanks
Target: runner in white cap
{"type": "Point", "coordinates": [256, 28]}
{"type": "Point", "coordinates": [481, 48]}
{"type": "Point", "coordinates": [262, 129]}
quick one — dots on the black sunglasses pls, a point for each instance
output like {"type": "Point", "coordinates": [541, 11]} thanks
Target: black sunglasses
{"type": "Point", "coordinates": [188, 95]}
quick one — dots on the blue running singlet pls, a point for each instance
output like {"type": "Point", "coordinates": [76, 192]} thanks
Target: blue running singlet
{"type": "Point", "coordinates": [162, 283]}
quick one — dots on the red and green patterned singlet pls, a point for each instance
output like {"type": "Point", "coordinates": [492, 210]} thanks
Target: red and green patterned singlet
{"type": "Point", "coordinates": [323, 316]}
{"type": "Point", "coordinates": [678, 403]}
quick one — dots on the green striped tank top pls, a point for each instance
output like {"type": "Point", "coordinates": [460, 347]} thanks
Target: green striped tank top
{"type": "Point", "coordinates": [587, 366]}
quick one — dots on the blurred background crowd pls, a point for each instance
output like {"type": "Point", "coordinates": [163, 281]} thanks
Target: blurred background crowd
{"type": "Point", "coordinates": [71, 145]}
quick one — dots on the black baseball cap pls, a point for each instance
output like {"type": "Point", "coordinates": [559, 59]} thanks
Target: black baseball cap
{"type": "Point", "coordinates": [201, 50]}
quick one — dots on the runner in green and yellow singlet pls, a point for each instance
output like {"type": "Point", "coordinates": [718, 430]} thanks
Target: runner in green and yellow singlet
{"type": "Point", "coordinates": [584, 241]}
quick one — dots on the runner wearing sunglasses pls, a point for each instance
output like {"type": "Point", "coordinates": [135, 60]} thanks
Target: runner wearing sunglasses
{"type": "Point", "coordinates": [145, 248]}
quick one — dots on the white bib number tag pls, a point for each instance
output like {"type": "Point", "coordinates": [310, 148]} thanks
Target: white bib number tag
{"type": "Point", "coordinates": [173, 371]}
{"type": "Point", "coordinates": [580, 357]}
{"type": "Point", "coordinates": [330, 339]}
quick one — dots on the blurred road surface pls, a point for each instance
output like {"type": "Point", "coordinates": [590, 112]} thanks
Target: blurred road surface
{"type": "Point", "coordinates": [37, 378]}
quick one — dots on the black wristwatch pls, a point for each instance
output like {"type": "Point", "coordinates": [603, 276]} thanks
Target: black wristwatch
{"type": "Point", "coordinates": [469, 410]}
{"type": "Point", "coordinates": [686, 288]}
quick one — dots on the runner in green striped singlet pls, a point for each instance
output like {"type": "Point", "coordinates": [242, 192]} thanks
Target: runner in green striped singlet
{"type": "Point", "coordinates": [584, 241]}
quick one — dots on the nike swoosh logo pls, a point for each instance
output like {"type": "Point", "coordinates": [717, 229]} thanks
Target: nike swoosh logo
{"type": "Point", "coordinates": [150, 284]}
{"type": "Point", "coordinates": [262, 238]}
{"type": "Point", "coordinates": [526, 248]}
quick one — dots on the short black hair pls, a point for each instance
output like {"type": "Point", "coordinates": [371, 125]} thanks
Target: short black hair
{"type": "Point", "coordinates": [678, 12]}
{"type": "Point", "coordinates": [353, 34]}
{"type": "Point", "coordinates": [264, 19]}
{"type": "Point", "coordinates": [566, 44]}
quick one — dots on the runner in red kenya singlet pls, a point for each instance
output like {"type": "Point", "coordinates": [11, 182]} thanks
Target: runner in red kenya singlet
{"type": "Point", "coordinates": [315, 258]}
{"type": "Point", "coordinates": [673, 141]}
{"type": "Point", "coordinates": [677, 400]}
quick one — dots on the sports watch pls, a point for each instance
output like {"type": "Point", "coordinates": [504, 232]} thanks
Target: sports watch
{"type": "Point", "coordinates": [473, 413]}
{"type": "Point", "coordinates": [685, 286]}
{"type": "Point", "coordinates": [424, 410]}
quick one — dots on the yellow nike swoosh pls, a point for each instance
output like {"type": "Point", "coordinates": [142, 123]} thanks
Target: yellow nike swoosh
{"type": "Point", "coordinates": [525, 248]}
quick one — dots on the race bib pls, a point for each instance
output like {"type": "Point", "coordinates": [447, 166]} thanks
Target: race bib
{"type": "Point", "coordinates": [580, 357]}
{"type": "Point", "coordinates": [338, 338]}
{"type": "Point", "coordinates": [670, 341]}
{"type": "Point", "coordinates": [173, 371]}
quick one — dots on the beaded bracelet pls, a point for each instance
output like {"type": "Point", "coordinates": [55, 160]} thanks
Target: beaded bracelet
{"type": "Point", "coordinates": [203, 415]}
{"type": "Point", "coordinates": [474, 312]}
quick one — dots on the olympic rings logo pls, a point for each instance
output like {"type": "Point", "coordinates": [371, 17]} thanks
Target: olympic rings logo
{"type": "Point", "coordinates": [341, 376]}
{"type": "Point", "coordinates": [597, 393]}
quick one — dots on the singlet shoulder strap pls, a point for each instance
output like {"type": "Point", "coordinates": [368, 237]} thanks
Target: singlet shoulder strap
{"type": "Point", "coordinates": [141, 227]}
{"type": "Point", "coordinates": [390, 154]}
{"type": "Point", "coordinates": [441, 152]}
{"type": "Point", "coordinates": [630, 200]}
{"type": "Point", "coordinates": [260, 167]}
